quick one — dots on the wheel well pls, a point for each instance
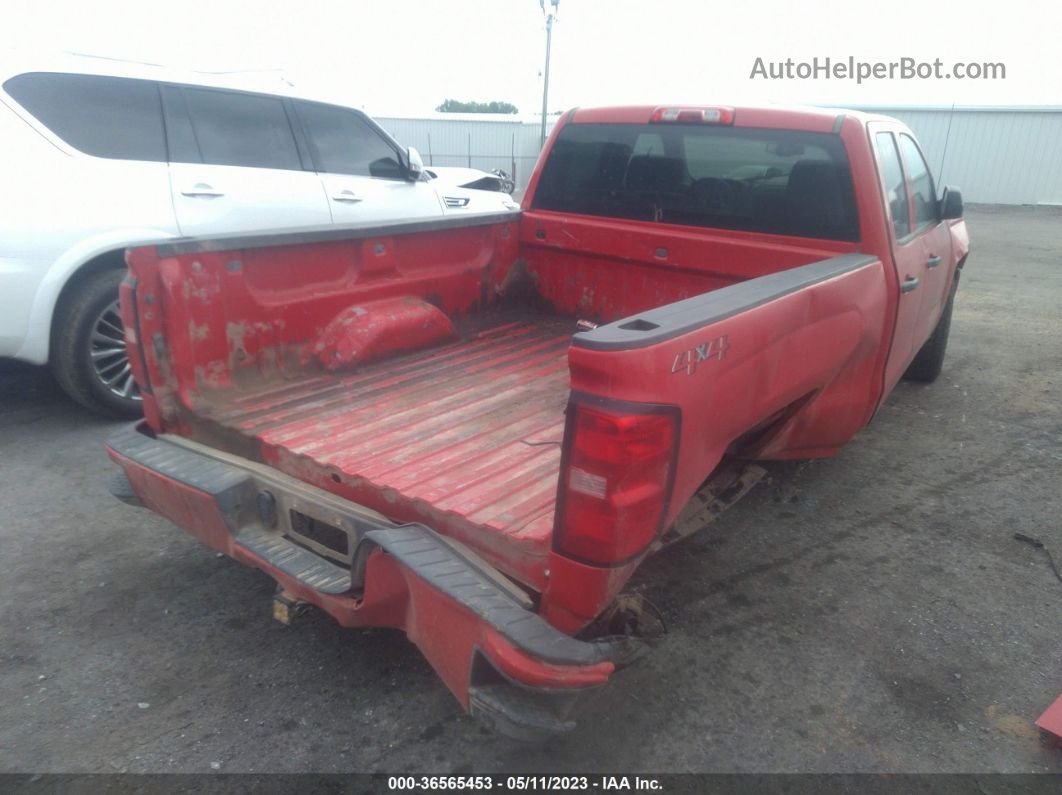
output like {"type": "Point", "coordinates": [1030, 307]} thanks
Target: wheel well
{"type": "Point", "coordinates": [108, 260]}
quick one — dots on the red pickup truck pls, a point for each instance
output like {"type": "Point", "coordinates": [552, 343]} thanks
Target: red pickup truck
{"type": "Point", "coordinates": [476, 429]}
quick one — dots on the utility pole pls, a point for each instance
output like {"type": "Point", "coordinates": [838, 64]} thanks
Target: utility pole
{"type": "Point", "coordinates": [550, 16]}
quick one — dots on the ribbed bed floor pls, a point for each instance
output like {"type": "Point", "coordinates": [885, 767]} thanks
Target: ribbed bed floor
{"type": "Point", "coordinates": [468, 431]}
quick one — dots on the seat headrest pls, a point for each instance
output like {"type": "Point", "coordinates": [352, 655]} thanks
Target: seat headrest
{"type": "Point", "coordinates": [612, 165]}
{"type": "Point", "coordinates": [819, 196]}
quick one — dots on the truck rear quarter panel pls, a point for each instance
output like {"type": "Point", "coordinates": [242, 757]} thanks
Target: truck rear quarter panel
{"type": "Point", "coordinates": [814, 348]}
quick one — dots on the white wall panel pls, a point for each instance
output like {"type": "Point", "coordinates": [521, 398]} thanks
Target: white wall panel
{"type": "Point", "coordinates": [997, 156]}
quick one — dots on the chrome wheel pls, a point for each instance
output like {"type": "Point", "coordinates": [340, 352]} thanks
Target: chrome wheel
{"type": "Point", "coordinates": [110, 359]}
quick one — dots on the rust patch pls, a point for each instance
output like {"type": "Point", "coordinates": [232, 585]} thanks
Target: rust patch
{"type": "Point", "coordinates": [236, 333]}
{"type": "Point", "coordinates": [198, 333]}
{"type": "Point", "coordinates": [190, 290]}
{"type": "Point", "coordinates": [213, 375]}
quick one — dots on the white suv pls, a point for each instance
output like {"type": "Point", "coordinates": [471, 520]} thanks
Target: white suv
{"type": "Point", "coordinates": [98, 156]}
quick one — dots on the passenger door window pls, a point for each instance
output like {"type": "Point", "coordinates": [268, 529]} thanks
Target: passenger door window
{"type": "Point", "coordinates": [923, 196]}
{"type": "Point", "coordinates": [359, 168]}
{"type": "Point", "coordinates": [235, 129]}
{"type": "Point", "coordinates": [344, 143]}
{"type": "Point", "coordinates": [895, 189]}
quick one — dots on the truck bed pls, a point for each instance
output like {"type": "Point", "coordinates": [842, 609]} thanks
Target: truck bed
{"type": "Point", "coordinates": [466, 436]}
{"type": "Point", "coordinates": [319, 354]}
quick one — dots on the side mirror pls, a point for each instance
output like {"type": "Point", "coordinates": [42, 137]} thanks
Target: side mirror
{"type": "Point", "coordinates": [414, 165]}
{"type": "Point", "coordinates": [951, 204]}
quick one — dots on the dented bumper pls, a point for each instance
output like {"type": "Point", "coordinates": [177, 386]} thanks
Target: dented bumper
{"type": "Point", "coordinates": [501, 660]}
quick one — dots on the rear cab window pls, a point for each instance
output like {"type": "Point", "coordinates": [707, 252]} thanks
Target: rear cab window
{"type": "Point", "coordinates": [759, 180]}
{"type": "Point", "coordinates": [112, 117]}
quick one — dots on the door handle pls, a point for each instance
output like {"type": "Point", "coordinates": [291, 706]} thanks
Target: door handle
{"type": "Point", "coordinates": [345, 196]}
{"type": "Point", "coordinates": [933, 261]}
{"type": "Point", "coordinates": [910, 283]}
{"type": "Point", "coordinates": [201, 189]}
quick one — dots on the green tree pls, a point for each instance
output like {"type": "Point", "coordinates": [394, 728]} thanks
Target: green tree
{"type": "Point", "coordinates": [457, 106]}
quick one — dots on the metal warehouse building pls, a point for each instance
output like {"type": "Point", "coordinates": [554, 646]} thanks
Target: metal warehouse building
{"type": "Point", "coordinates": [1005, 155]}
{"type": "Point", "coordinates": [996, 155]}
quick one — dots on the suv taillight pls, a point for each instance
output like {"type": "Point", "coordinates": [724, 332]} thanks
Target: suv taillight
{"type": "Point", "coordinates": [615, 483]}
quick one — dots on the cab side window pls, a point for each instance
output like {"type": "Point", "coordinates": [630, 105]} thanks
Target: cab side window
{"type": "Point", "coordinates": [345, 143]}
{"type": "Point", "coordinates": [923, 196]}
{"type": "Point", "coordinates": [113, 117]}
{"type": "Point", "coordinates": [895, 189]}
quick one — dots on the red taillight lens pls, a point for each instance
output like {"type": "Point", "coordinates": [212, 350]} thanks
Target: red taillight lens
{"type": "Point", "coordinates": [615, 485]}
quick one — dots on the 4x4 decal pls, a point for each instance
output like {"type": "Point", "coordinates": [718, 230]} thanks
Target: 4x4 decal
{"type": "Point", "coordinates": [687, 361]}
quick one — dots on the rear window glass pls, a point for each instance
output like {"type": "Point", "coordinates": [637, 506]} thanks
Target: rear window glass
{"type": "Point", "coordinates": [111, 117]}
{"type": "Point", "coordinates": [775, 181]}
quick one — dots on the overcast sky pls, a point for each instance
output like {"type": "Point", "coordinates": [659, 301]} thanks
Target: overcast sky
{"type": "Point", "coordinates": [406, 56]}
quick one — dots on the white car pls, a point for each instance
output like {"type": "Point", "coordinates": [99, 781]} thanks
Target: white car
{"type": "Point", "coordinates": [489, 187]}
{"type": "Point", "coordinates": [99, 155]}
{"type": "Point", "coordinates": [472, 189]}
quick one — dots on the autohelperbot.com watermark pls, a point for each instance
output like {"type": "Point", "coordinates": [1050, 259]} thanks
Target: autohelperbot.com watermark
{"type": "Point", "coordinates": [851, 68]}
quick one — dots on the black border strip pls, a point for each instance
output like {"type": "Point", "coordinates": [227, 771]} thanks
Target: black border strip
{"type": "Point", "coordinates": [523, 773]}
{"type": "Point", "coordinates": [322, 234]}
{"type": "Point", "coordinates": [682, 317]}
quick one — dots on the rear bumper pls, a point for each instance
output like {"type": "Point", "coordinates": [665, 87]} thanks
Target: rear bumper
{"type": "Point", "coordinates": [502, 661]}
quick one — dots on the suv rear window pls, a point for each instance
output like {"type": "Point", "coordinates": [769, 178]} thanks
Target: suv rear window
{"type": "Point", "coordinates": [113, 117]}
{"type": "Point", "coordinates": [776, 181]}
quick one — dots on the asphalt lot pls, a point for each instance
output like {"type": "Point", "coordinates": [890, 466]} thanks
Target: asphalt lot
{"type": "Point", "coordinates": [872, 612]}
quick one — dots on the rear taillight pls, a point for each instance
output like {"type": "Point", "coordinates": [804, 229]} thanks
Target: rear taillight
{"type": "Point", "coordinates": [615, 483]}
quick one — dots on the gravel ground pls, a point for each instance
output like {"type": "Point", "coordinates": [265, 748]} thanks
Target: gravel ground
{"type": "Point", "coordinates": [872, 612]}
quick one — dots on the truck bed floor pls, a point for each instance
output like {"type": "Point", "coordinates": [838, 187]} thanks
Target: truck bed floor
{"type": "Point", "coordinates": [465, 438]}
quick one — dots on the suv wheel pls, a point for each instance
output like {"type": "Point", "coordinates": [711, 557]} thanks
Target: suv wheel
{"type": "Point", "coordinates": [89, 358]}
